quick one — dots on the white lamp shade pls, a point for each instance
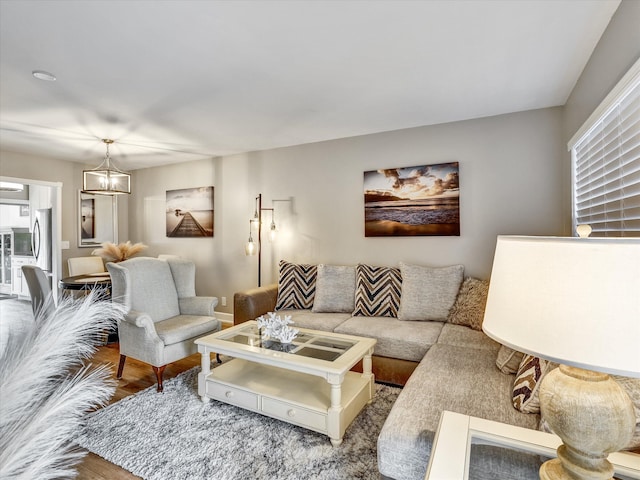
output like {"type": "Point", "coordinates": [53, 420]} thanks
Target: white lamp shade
{"type": "Point", "coordinates": [574, 301]}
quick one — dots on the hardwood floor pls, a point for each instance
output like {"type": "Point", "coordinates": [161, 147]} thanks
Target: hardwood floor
{"type": "Point", "coordinates": [136, 377]}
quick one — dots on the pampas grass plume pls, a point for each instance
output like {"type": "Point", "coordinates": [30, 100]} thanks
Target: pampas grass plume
{"type": "Point", "coordinates": [46, 387]}
{"type": "Point", "coordinates": [117, 253]}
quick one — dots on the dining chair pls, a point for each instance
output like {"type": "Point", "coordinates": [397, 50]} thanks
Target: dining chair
{"type": "Point", "coordinates": [85, 265]}
{"type": "Point", "coordinates": [39, 287]}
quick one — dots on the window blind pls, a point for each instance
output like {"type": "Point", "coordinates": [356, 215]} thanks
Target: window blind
{"type": "Point", "coordinates": [606, 169]}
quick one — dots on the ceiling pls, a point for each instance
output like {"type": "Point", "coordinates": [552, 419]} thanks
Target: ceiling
{"type": "Point", "coordinates": [174, 81]}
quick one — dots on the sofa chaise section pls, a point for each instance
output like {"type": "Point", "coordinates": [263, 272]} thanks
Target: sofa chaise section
{"type": "Point", "coordinates": [450, 377]}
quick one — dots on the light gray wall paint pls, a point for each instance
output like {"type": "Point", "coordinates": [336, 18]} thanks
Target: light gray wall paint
{"type": "Point", "coordinates": [617, 50]}
{"type": "Point", "coordinates": [147, 220]}
{"type": "Point", "coordinates": [509, 178]}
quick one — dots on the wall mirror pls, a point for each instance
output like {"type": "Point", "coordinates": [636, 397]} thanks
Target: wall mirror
{"type": "Point", "coordinates": [97, 219]}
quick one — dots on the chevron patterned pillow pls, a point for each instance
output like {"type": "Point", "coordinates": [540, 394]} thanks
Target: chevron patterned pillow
{"type": "Point", "coordinates": [378, 291]}
{"type": "Point", "coordinates": [296, 286]}
{"type": "Point", "coordinates": [526, 386]}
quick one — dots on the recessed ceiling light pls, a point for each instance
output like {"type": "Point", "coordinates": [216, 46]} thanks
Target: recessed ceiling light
{"type": "Point", "coordinates": [42, 75]}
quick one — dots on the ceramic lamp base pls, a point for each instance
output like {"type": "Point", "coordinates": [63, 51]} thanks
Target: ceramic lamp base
{"type": "Point", "coordinates": [592, 415]}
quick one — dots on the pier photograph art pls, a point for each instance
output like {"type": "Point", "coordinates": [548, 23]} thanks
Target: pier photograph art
{"type": "Point", "coordinates": [87, 226]}
{"type": "Point", "coordinates": [190, 212]}
{"type": "Point", "coordinates": [412, 201]}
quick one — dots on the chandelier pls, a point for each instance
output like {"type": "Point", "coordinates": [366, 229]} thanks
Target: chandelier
{"type": "Point", "coordinates": [106, 179]}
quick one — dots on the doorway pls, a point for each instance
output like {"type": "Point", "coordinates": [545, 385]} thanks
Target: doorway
{"type": "Point", "coordinates": [49, 195]}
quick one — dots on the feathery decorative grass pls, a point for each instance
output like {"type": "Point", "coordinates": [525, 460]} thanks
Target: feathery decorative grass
{"type": "Point", "coordinates": [117, 253]}
{"type": "Point", "coordinates": [46, 387]}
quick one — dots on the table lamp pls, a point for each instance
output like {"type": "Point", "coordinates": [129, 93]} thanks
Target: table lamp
{"type": "Point", "coordinates": [574, 301]}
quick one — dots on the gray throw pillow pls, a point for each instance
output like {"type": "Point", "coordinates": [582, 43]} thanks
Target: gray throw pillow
{"type": "Point", "coordinates": [428, 293]}
{"type": "Point", "coordinates": [508, 360]}
{"type": "Point", "coordinates": [335, 289]}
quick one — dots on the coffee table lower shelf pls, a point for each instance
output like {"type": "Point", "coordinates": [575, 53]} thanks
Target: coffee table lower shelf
{"type": "Point", "coordinates": [298, 398]}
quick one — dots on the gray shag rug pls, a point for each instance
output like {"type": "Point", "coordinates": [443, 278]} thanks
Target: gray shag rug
{"type": "Point", "coordinates": [175, 435]}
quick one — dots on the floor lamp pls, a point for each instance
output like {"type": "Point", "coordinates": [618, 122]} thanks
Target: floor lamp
{"type": "Point", "coordinates": [251, 248]}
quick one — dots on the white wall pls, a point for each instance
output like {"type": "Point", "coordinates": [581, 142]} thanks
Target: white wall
{"type": "Point", "coordinates": [10, 217]}
{"type": "Point", "coordinates": [510, 181]}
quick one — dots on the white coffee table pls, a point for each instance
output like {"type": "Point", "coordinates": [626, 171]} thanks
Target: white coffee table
{"type": "Point", "coordinates": [309, 385]}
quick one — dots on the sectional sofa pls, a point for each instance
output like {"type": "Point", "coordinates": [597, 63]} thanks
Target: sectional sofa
{"type": "Point", "coordinates": [427, 322]}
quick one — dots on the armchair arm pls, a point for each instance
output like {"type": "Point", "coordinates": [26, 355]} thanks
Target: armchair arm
{"type": "Point", "coordinates": [250, 304]}
{"type": "Point", "coordinates": [139, 339]}
{"type": "Point", "coordinates": [198, 305]}
{"type": "Point", "coordinates": [140, 319]}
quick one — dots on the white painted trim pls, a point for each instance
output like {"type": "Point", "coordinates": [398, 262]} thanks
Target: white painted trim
{"type": "Point", "coordinates": [632, 76]}
{"type": "Point", "coordinates": [31, 181]}
{"type": "Point", "coordinates": [226, 318]}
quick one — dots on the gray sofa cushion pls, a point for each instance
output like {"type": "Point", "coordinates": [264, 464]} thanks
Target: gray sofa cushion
{"type": "Point", "coordinates": [335, 289]}
{"type": "Point", "coordinates": [428, 293]}
{"type": "Point", "coordinates": [448, 378]}
{"type": "Point", "coordinates": [396, 339]}
{"type": "Point", "coordinates": [460, 336]}
{"type": "Point", "coordinates": [326, 322]}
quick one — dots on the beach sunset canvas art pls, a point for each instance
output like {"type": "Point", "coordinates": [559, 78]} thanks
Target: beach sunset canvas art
{"type": "Point", "coordinates": [412, 201]}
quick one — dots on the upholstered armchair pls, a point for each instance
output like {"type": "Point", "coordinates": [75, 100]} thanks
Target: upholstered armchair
{"type": "Point", "coordinates": [164, 315]}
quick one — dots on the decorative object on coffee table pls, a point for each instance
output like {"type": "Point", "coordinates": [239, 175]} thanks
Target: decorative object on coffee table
{"type": "Point", "coordinates": [573, 301]}
{"type": "Point", "coordinates": [276, 327]}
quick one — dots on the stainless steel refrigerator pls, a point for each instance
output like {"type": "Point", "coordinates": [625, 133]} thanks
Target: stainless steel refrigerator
{"type": "Point", "coordinates": [41, 239]}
